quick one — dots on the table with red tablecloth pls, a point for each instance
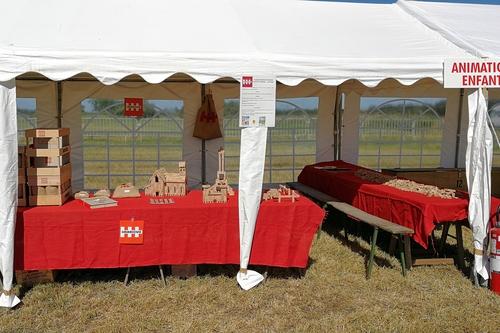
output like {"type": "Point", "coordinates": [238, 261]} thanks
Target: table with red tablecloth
{"type": "Point", "coordinates": [414, 210]}
{"type": "Point", "coordinates": [185, 232]}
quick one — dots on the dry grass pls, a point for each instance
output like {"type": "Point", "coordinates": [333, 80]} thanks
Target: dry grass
{"type": "Point", "coordinates": [332, 296]}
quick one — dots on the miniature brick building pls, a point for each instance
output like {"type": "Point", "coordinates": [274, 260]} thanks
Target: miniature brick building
{"type": "Point", "coordinates": [163, 183]}
{"type": "Point", "coordinates": [281, 193]}
{"type": "Point", "coordinates": [219, 191]}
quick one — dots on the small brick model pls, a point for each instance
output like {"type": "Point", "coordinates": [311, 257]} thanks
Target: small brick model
{"type": "Point", "coordinates": [281, 193]}
{"type": "Point", "coordinates": [164, 183]}
{"type": "Point", "coordinates": [219, 191]}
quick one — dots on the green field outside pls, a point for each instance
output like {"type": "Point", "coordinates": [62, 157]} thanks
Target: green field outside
{"type": "Point", "coordinates": [158, 143]}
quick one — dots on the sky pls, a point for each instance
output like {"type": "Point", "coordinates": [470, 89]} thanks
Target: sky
{"type": "Point", "coordinates": [392, 1]}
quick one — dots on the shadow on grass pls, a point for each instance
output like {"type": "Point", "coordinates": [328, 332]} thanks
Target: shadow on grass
{"type": "Point", "coordinates": [271, 272]}
{"type": "Point", "coordinates": [336, 225]}
{"type": "Point", "coordinates": [79, 276]}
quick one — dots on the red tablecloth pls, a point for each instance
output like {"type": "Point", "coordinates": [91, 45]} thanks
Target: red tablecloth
{"type": "Point", "coordinates": [186, 232]}
{"type": "Point", "coordinates": [410, 209]}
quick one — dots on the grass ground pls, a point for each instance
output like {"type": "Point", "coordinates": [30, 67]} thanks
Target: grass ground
{"type": "Point", "coordinates": [332, 296]}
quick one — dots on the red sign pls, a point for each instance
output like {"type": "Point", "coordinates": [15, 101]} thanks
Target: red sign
{"type": "Point", "coordinates": [134, 107]}
{"type": "Point", "coordinates": [131, 232]}
{"type": "Point", "coordinates": [247, 81]}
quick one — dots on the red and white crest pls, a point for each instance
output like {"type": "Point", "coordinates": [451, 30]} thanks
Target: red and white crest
{"type": "Point", "coordinates": [247, 81]}
{"type": "Point", "coordinates": [133, 107]}
{"type": "Point", "coordinates": [131, 232]}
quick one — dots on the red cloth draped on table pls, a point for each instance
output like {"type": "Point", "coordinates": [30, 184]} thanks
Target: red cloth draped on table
{"type": "Point", "coordinates": [410, 209]}
{"type": "Point", "coordinates": [186, 232]}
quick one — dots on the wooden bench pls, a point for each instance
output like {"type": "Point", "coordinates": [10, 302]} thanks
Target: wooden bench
{"type": "Point", "coordinates": [402, 233]}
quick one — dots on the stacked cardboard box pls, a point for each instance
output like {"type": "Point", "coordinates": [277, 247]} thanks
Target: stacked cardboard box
{"type": "Point", "coordinates": [49, 167]}
{"type": "Point", "coordinates": [22, 193]}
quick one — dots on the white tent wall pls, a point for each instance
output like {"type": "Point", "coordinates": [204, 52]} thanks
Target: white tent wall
{"type": "Point", "coordinates": [308, 88]}
{"type": "Point", "coordinates": [212, 146]}
{"type": "Point", "coordinates": [73, 93]}
{"type": "Point", "coordinates": [464, 125]}
{"type": "Point", "coordinates": [493, 94]}
{"type": "Point", "coordinates": [45, 93]}
{"type": "Point", "coordinates": [426, 88]}
{"type": "Point", "coordinates": [8, 188]}
{"type": "Point", "coordinates": [349, 149]}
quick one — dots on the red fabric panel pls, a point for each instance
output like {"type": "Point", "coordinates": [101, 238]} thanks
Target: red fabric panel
{"type": "Point", "coordinates": [410, 209]}
{"type": "Point", "coordinates": [186, 232]}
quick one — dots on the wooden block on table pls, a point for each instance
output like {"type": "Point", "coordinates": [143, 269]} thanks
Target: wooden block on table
{"type": "Point", "coordinates": [50, 171]}
{"type": "Point", "coordinates": [46, 132]}
{"type": "Point", "coordinates": [49, 199]}
{"type": "Point", "coordinates": [49, 176]}
{"type": "Point", "coordinates": [21, 157]}
{"type": "Point", "coordinates": [22, 194]}
{"type": "Point", "coordinates": [50, 142]}
{"type": "Point", "coordinates": [184, 271]}
{"type": "Point", "coordinates": [49, 152]}
{"type": "Point", "coordinates": [49, 195]}
{"type": "Point", "coordinates": [48, 161]}
{"type": "Point", "coordinates": [30, 278]}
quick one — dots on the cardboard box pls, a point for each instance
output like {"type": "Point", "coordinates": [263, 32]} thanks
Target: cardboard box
{"type": "Point", "coordinates": [21, 157]}
{"type": "Point", "coordinates": [50, 152]}
{"type": "Point", "coordinates": [59, 176]}
{"type": "Point", "coordinates": [30, 278]}
{"type": "Point", "coordinates": [46, 132]}
{"type": "Point", "coordinates": [49, 171]}
{"type": "Point", "coordinates": [22, 192]}
{"type": "Point", "coordinates": [50, 143]}
{"type": "Point", "coordinates": [49, 195]}
{"type": "Point", "coordinates": [48, 162]}
{"type": "Point", "coordinates": [49, 199]}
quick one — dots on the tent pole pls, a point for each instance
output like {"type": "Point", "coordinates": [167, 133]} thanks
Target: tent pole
{"type": "Point", "coordinates": [459, 126]}
{"type": "Point", "coordinates": [203, 145]}
{"type": "Point", "coordinates": [336, 127]}
{"type": "Point", "coordinates": [339, 122]}
{"type": "Point", "coordinates": [59, 104]}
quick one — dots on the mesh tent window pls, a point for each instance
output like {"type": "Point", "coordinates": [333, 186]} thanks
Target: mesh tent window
{"type": "Point", "coordinates": [400, 132]}
{"type": "Point", "coordinates": [119, 149]}
{"type": "Point", "coordinates": [291, 144]}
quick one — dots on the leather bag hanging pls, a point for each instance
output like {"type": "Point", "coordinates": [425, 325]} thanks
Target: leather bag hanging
{"type": "Point", "coordinates": [207, 122]}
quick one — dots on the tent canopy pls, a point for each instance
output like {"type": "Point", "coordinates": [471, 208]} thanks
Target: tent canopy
{"type": "Point", "coordinates": [473, 27]}
{"type": "Point", "coordinates": [294, 40]}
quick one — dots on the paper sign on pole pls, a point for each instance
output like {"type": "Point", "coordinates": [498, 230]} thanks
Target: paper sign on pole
{"type": "Point", "coordinates": [470, 73]}
{"type": "Point", "coordinates": [257, 101]}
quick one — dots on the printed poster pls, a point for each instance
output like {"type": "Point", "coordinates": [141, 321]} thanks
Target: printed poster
{"type": "Point", "coordinates": [257, 101]}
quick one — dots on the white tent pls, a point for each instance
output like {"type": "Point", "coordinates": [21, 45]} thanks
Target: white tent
{"type": "Point", "coordinates": [476, 29]}
{"type": "Point", "coordinates": [293, 40]}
